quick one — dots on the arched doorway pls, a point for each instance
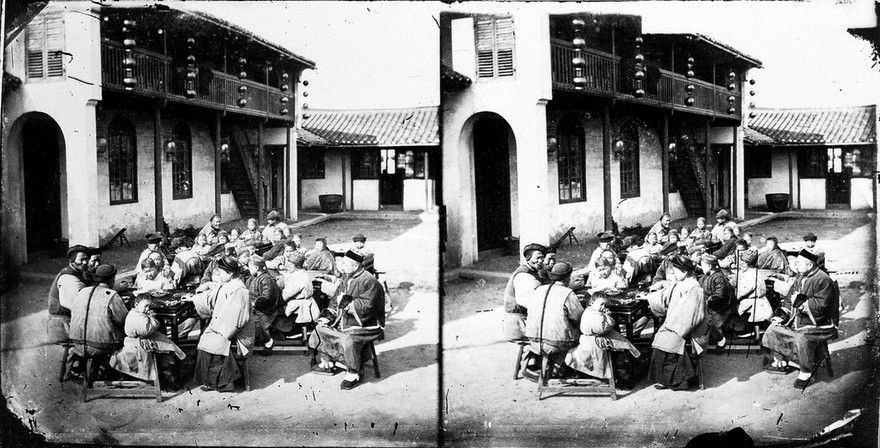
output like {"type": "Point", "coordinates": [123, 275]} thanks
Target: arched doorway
{"type": "Point", "coordinates": [491, 143]}
{"type": "Point", "coordinates": [41, 143]}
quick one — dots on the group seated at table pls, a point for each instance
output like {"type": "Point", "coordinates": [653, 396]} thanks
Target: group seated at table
{"type": "Point", "coordinates": [240, 297]}
{"type": "Point", "coordinates": [706, 286]}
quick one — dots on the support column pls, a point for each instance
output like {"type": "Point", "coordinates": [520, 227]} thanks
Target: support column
{"type": "Point", "coordinates": [707, 192]}
{"type": "Point", "coordinates": [606, 166]}
{"type": "Point", "coordinates": [428, 201]}
{"type": "Point", "coordinates": [217, 164]}
{"type": "Point", "coordinates": [664, 160]}
{"type": "Point", "coordinates": [158, 145]}
{"type": "Point", "coordinates": [261, 209]}
{"type": "Point", "coordinates": [81, 164]}
{"type": "Point", "coordinates": [531, 177]}
{"type": "Point", "coordinates": [734, 192]}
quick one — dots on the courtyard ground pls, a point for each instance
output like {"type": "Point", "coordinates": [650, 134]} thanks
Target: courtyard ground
{"type": "Point", "coordinates": [484, 406]}
{"type": "Point", "coordinates": [288, 405]}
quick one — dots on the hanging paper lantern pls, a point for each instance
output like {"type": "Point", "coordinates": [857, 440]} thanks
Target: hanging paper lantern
{"type": "Point", "coordinates": [305, 83]}
{"type": "Point", "coordinates": [690, 88]}
{"type": "Point", "coordinates": [305, 94]}
{"type": "Point", "coordinates": [752, 81]}
{"type": "Point", "coordinates": [129, 43]}
{"type": "Point", "coordinates": [284, 100]}
{"type": "Point", "coordinates": [731, 87]}
{"type": "Point", "coordinates": [690, 61]}
{"type": "Point", "coordinates": [690, 74]}
{"type": "Point", "coordinates": [731, 99]}
{"type": "Point", "coordinates": [190, 70]}
{"type": "Point", "coordinates": [242, 89]}
{"type": "Point", "coordinates": [640, 93]}
{"type": "Point", "coordinates": [285, 87]}
{"type": "Point", "coordinates": [284, 111]}
{"type": "Point", "coordinates": [129, 81]}
{"type": "Point", "coordinates": [640, 58]}
{"type": "Point", "coordinates": [639, 40]}
{"type": "Point", "coordinates": [732, 110]}
{"type": "Point", "coordinates": [690, 101]}
{"type": "Point", "coordinates": [242, 75]}
{"type": "Point", "coordinates": [640, 74]}
{"type": "Point", "coordinates": [751, 105]}
{"type": "Point", "coordinates": [242, 61]}
{"type": "Point", "coordinates": [731, 76]}
{"type": "Point", "coordinates": [242, 102]}
{"type": "Point", "coordinates": [752, 93]}
{"type": "Point", "coordinates": [285, 77]}
{"type": "Point", "coordinates": [305, 105]}
{"type": "Point", "coordinates": [191, 75]}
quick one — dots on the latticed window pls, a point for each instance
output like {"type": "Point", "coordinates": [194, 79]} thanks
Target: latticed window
{"type": "Point", "coordinates": [122, 161]}
{"type": "Point", "coordinates": [365, 164]}
{"type": "Point", "coordinates": [311, 164]}
{"type": "Point", "coordinates": [629, 161]}
{"type": "Point", "coordinates": [812, 163]}
{"type": "Point", "coordinates": [495, 47]}
{"type": "Point", "coordinates": [45, 44]}
{"type": "Point", "coordinates": [570, 158]}
{"type": "Point", "coordinates": [181, 164]}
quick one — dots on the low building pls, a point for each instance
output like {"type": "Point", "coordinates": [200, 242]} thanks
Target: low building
{"type": "Point", "coordinates": [585, 121]}
{"type": "Point", "coordinates": [820, 157]}
{"type": "Point", "coordinates": [382, 159]}
{"type": "Point", "coordinates": [130, 116]}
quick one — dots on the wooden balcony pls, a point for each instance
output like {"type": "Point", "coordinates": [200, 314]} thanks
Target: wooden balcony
{"type": "Point", "coordinates": [158, 77]}
{"type": "Point", "coordinates": [604, 78]}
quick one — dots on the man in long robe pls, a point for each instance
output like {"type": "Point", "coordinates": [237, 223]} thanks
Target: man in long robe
{"type": "Point", "coordinates": [719, 300]}
{"type": "Point", "coordinates": [265, 299]}
{"type": "Point", "coordinates": [553, 322]}
{"type": "Point", "coordinates": [358, 318]}
{"type": "Point", "coordinates": [62, 293]}
{"type": "Point", "coordinates": [810, 246]}
{"type": "Point", "coordinates": [808, 317]}
{"type": "Point", "coordinates": [97, 321]}
{"type": "Point", "coordinates": [154, 244]}
{"type": "Point", "coordinates": [683, 305]}
{"type": "Point", "coordinates": [228, 305]}
{"type": "Point", "coordinates": [662, 228]}
{"type": "Point", "coordinates": [773, 258]}
{"type": "Point", "coordinates": [606, 239]}
{"type": "Point", "coordinates": [723, 221]}
{"type": "Point", "coordinates": [321, 258]}
{"type": "Point", "coordinates": [212, 229]}
{"type": "Point", "coordinates": [750, 287]}
{"type": "Point", "coordinates": [274, 221]}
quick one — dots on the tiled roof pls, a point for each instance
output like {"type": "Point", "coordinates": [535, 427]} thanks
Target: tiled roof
{"type": "Point", "coordinates": [307, 138]}
{"type": "Point", "coordinates": [756, 138]}
{"type": "Point", "coordinates": [450, 78]}
{"type": "Point", "coordinates": [839, 125]}
{"type": "Point", "coordinates": [418, 126]}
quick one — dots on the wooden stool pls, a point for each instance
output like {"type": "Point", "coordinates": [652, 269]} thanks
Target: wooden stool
{"type": "Point", "coordinates": [124, 388]}
{"type": "Point", "coordinates": [372, 348]}
{"type": "Point", "coordinates": [592, 387]}
{"type": "Point", "coordinates": [519, 357]}
{"type": "Point", "coordinates": [288, 345]}
{"type": "Point", "coordinates": [62, 375]}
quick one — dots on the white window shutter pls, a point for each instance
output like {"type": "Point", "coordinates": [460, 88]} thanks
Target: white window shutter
{"type": "Point", "coordinates": [504, 44]}
{"type": "Point", "coordinates": [45, 42]}
{"type": "Point", "coordinates": [485, 31]}
{"type": "Point", "coordinates": [36, 37]}
{"type": "Point", "coordinates": [54, 44]}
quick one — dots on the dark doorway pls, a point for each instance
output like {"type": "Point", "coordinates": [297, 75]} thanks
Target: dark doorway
{"type": "Point", "coordinates": [275, 156]}
{"type": "Point", "coordinates": [723, 175]}
{"type": "Point", "coordinates": [837, 180]}
{"type": "Point", "coordinates": [40, 138]}
{"type": "Point", "coordinates": [391, 179]}
{"type": "Point", "coordinates": [492, 182]}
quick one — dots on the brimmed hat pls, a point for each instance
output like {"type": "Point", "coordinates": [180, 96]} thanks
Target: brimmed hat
{"type": "Point", "coordinates": [722, 214]}
{"type": "Point", "coordinates": [229, 264]}
{"type": "Point", "coordinates": [359, 238]}
{"type": "Point", "coordinates": [154, 238]}
{"type": "Point", "coordinates": [606, 237]}
{"type": "Point", "coordinates": [354, 256]}
{"type": "Point", "coordinates": [103, 273]}
{"type": "Point", "coordinates": [808, 255]}
{"type": "Point", "coordinates": [560, 271]}
{"type": "Point", "coordinates": [527, 251]}
{"type": "Point", "coordinates": [77, 249]}
{"type": "Point", "coordinates": [669, 248]}
{"type": "Point", "coordinates": [273, 215]}
{"type": "Point", "coordinates": [683, 263]}
{"type": "Point", "coordinates": [810, 237]}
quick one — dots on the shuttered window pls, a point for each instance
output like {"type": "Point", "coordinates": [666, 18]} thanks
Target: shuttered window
{"type": "Point", "coordinates": [122, 161]}
{"type": "Point", "coordinates": [495, 47]}
{"type": "Point", "coordinates": [45, 44]}
{"type": "Point", "coordinates": [629, 161]}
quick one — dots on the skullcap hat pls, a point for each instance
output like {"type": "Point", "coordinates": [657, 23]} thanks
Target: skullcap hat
{"type": "Point", "coordinates": [560, 271]}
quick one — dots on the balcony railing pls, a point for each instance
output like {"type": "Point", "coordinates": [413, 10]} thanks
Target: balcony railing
{"type": "Point", "coordinates": [158, 77]}
{"type": "Point", "coordinates": [605, 78]}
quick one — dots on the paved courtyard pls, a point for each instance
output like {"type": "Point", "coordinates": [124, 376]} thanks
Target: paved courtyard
{"type": "Point", "coordinates": [484, 406]}
{"type": "Point", "coordinates": [288, 405]}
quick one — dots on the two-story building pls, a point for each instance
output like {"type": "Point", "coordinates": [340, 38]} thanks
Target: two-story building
{"type": "Point", "coordinates": [131, 116]}
{"type": "Point", "coordinates": [582, 120]}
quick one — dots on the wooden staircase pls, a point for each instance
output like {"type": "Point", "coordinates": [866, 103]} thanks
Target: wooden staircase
{"type": "Point", "coordinates": [689, 186]}
{"type": "Point", "coordinates": [237, 175]}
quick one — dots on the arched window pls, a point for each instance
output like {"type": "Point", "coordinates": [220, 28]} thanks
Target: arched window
{"type": "Point", "coordinates": [122, 161]}
{"type": "Point", "coordinates": [181, 165]}
{"type": "Point", "coordinates": [570, 158]}
{"type": "Point", "coordinates": [629, 161]}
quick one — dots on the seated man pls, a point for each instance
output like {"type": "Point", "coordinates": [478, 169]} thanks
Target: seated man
{"type": "Point", "coordinates": [154, 242]}
{"type": "Point", "coordinates": [605, 243]}
{"type": "Point", "coordinates": [750, 288]}
{"type": "Point", "coordinates": [662, 228]}
{"type": "Point", "coordinates": [357, 318]}
{"type": "Point", "coordinates": [808, 317]}
{"type": "Point", "coordinates": [719, 300]}
{"type": "Point", "coordinates": [97, 322]}
{"type": "Point", "coordinates": [274, 222]}
{"type": "Point", "coordinates": [664, 271]}
{"type": "Point", "coordinates": [683, 305]}
{"type": "Point", "coordinates": [63, 291]}
{"type": "Point", "coordinates": [810, 246]}
{"type": "Point", "coordinates": [277, 245]}
{"type": "Point", "coordinates": [296, 295]}
{"type": "Point", "coordinates": [525, 279]}
{"type": "Point", "coordinates": [772, 258]}
{"type": "Point", "coordinates": [552, 326]}
{"type": "Point", "coordinates": [359, 242]}
{"type": "Point", "coordinates": [212, 229]}
{"type": "Point", "coordinates": [321, 259]}
{"type": "Point", "coordinates": [723, 222]}
{"type": "Point", "coordinates": [265, 300]}
{"type": "Point", "coordinates": [95, 254]}
{"type": "Point", "coordinates": [728, 244]}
